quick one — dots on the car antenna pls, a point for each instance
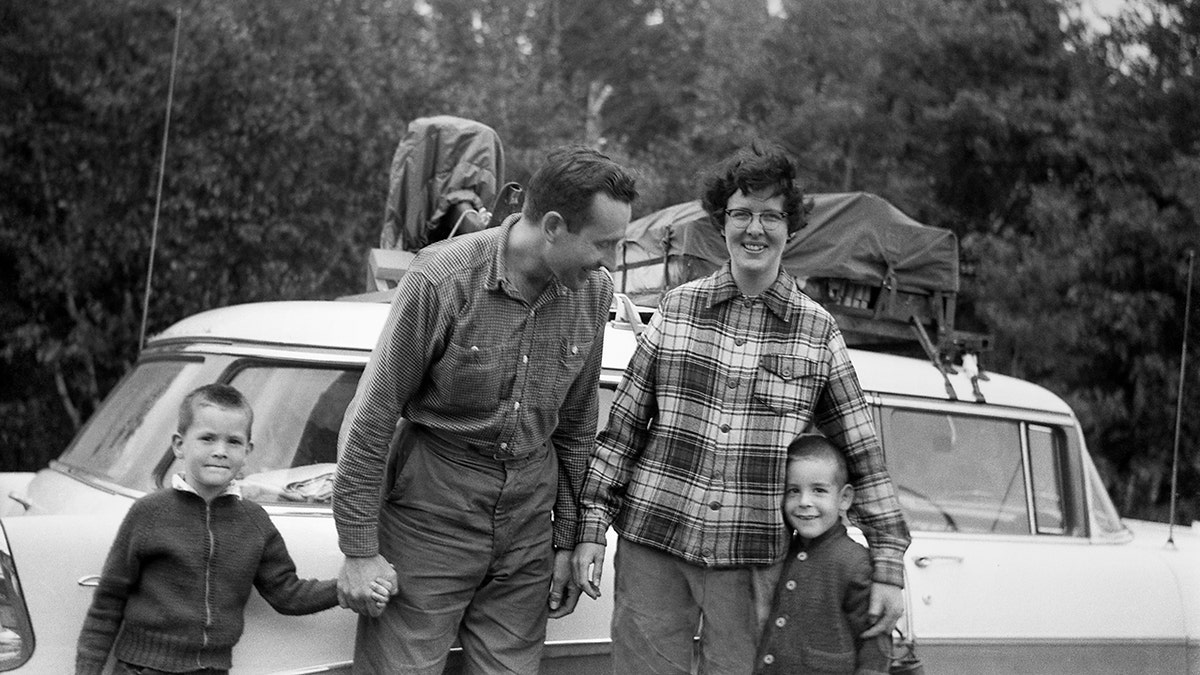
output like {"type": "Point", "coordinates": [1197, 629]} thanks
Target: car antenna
{"type": "Point", "coordinates": [162, 165]}
{"type": "Point", "coordinates": [1187, 313]}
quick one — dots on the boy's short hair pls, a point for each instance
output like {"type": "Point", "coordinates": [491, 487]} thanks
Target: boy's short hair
{"type": "Point", "coordinates": [219, 395]}
{"type": "Point", "coordinates": [762, 166]}
{"type": "Point", "coordinates": [817, 446]}
{"type": "Point", "coordinates": [571, 176]}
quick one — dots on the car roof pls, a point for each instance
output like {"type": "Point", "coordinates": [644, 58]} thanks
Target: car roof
{"type": "Point", "coordinates": [348, 325]}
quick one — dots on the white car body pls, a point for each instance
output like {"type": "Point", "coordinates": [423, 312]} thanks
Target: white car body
{"type": "Point", "coordinates": [1050, 581]}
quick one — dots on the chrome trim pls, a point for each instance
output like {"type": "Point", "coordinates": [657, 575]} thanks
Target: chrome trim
{"type": "Point", "coordinates": [265, 350]}
{"type": "Point", "coordinates": [339, 667]}
{"type": "Point", "coordinates": [90, 581]}
{"type": "Point", "coordinates": [979, 410]}
{"type": "Point", "coordinates": [1052, 642]}
{"type": "Point", "coordinates": [92, 480]}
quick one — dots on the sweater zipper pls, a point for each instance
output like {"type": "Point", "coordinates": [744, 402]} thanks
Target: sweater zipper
{"type": "Point", "coordinates": [207, 576]}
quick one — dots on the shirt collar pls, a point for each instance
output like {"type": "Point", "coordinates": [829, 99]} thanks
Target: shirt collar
{"type": "Point", "coordinates": [497, 273]}
{"type": "Point", "coordinates": [837, 529]}
{"type": "Point", "coordinates": [180, 483]}
{"type": "Point", "coordinates": [780, 296]}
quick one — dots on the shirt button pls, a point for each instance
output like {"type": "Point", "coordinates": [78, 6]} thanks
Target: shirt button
{"type": "Point", "coordinates": [781, 622]}
{"type": "Point", "coordinates": [714, 505]}
{"type": "Point", "coordinates": [732, 384]}
{"type": "Point", "coordinates": [516, 405]}
{"type": "Point", "coordinates": [802, 556]}
{"type": "Point", "coordinates": [574, 349]}
{"type": "Point", "coordinates": [787, 372]}
{"type": "Point", "coordinates": [524, 358]}
{"type": "Point", "coordinates": [790, 585]}
{"type": "Point", "coordinates": [474, 348]}
{"type": "Point", "coordinates": [504, 446]}
{"type": "Point", "coordinates": [739, 341]}
{"type": "Point", "coordinates": [532, 313]}
{"type": "Point", "coordinates": [724, 428]}
{"type": "Point", "coordinates": [769, 659]}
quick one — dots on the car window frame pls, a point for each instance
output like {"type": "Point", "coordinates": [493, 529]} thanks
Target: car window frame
{"type": "Point", "coordinates": [1076, 522]}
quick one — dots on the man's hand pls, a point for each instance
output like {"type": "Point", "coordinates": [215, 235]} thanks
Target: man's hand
{"type": "Point", "coordinates": [588, 562]}
{"type": "Point", "coordinates": [564, 592]}
{"type": "Point", "coordinates": [355, 579]}
{"type": "Point", "coordinates": [887, 604]}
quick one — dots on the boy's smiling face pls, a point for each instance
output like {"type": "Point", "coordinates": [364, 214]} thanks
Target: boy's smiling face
{"type": "Point", "coordinates": [814, 497]}
{"type": "Point", "coordinates": [213, 449]}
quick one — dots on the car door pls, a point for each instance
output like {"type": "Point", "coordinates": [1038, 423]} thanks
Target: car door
{"type": "Point", "coordinates": [1003, 576]}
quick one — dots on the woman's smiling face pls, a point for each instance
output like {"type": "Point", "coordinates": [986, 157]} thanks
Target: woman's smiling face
{"type": "Point", "coordinates": [755, 250]}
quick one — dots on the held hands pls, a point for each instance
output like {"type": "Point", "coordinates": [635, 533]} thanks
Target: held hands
{"type": "Point", "coordinates": [887, 604]}
{"type": "Point", "coordinates": [564, 592]}
{"type": "Point", "coordinates": [588, 564]}
{"type": "Point", "coordinates": [366, 584]}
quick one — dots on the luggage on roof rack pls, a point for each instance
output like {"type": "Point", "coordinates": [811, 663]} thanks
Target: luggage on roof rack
{"type": "Point", "coordinates": [878, 271]}
{"type": "Point", "coordinates": [445, 173]}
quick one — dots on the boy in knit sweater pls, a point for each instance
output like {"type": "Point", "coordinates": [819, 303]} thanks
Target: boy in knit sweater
{"type": "Point", "coordinates": [823, 594]}
{"type": "Point", "coordinates": [180, 570]}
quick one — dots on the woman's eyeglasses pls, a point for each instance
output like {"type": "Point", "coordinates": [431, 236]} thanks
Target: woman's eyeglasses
{"type": "Point", "coordinates": [769, 219]}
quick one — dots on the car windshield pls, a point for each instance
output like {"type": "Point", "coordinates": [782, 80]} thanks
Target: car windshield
{"type": "Point", "coordinates": [298, 412]}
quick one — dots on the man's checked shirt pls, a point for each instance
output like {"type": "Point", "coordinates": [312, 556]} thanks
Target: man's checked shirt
{"type": "Point", "coordinates": [693, 460]}
{"type": "Point", "coordinates": [465, 356]}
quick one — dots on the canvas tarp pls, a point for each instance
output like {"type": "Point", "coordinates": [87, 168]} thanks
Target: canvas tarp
{"type": "Point", "coordinates": [440, 159]}
{"type": "Point", "coordinates": [854, 236]}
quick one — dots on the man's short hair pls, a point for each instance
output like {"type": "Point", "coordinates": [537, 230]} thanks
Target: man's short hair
{"type": "Point", "coordinates": [760, 167]}
{"type": "Point", "coordinates": [817, 446]}
{"type": "Point", "coordinates": [569, 179]}
{"type": "Point", "coordinates": [216, 394]}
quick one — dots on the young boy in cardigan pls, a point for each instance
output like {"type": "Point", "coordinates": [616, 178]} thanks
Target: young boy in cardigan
{"type": "Point", "coordinates": [180, 570]}
{"type": "Point", "coordinates": [824, 591]}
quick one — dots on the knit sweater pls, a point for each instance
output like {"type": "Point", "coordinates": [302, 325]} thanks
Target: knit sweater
{"type": "Point", "coordinates": [820, 608]}
{"type": "Point", "coordinates": [178, 577]}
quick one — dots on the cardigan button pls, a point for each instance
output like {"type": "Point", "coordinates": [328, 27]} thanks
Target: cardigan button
{"type": "Point", "coordinates": [802, 556]}
{"type": "Point", "coordinates": [769, 659]}
{"type": "Point", "coordinates": [780, 622]}
{"type": "Point", "coordinates": [790, 585]}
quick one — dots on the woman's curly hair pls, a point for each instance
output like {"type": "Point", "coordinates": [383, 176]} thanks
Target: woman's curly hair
{"type": "Point", "coordinates": [760, 167]}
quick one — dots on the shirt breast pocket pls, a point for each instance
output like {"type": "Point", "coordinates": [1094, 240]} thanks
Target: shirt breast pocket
{"type": "Point", "coordinates": [480, 376]}
{"type": "Point", "coordinates": [787, 383]}
{"type": "Point", "coordinates": [572, 354]}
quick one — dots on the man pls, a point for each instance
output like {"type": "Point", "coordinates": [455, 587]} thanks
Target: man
{"type": "Point", "coordinates": [690, 469]}
{"type": "Point", "coordinates": [491, 353]}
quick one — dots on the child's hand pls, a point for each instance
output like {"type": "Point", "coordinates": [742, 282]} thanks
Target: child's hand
{"type": "Point", "coordinates": [381, 592]}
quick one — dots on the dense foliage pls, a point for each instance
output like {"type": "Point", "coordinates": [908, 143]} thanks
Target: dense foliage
{"type": "Point", "coordinates": [1064, 154]}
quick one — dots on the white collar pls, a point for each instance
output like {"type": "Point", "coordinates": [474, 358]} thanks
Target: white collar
{"type": "Point", "coordinates": [180, 483]}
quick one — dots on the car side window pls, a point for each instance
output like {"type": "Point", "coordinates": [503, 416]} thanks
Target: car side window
{"type": "Point", "coordinates": [956, 473]}
{"type": "Point", "coordinates": [297, 415]}
{"type": "Point", "coordinates": [976, 474]}
{"type": "Point", "coordinates": [1048, 477]}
